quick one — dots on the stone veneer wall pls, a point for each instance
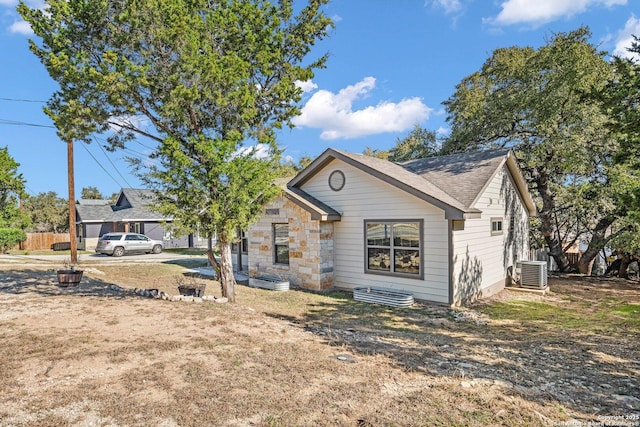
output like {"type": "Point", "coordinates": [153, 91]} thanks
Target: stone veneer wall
{"type": "Point", "coordinates": [310, 246]}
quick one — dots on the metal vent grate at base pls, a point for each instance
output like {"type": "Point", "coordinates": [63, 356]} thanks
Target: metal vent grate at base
{"type": "Point", "coordinates": [383, 296]}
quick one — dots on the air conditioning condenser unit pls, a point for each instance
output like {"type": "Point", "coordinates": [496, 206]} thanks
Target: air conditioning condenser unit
{"type": "Point", "coordinates": [533, 274]}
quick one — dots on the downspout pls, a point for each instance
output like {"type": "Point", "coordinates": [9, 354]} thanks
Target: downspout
{"type": "Point", "coordinates": [450, 260]}
{"type": "Point", "coordinates": [239, 253]}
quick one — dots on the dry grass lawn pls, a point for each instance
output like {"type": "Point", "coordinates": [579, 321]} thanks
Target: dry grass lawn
{"type": "Point", "coordinates": [91, 355]}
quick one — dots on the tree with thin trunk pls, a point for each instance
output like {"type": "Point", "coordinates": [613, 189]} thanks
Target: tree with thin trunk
{"type": "Point", "coordinates": [209, 81]}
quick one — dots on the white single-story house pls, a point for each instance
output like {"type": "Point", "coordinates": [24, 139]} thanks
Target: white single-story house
{"type": "Point", "coordinates": [447, 229]}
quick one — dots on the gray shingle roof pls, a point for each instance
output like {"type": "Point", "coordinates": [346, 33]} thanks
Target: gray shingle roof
{"type": "Point", "coordinates": [132, 205]}
{"type": "Point", "coordinates": [452, 183]}
{"type": "Point", "coordinates": [93, 202]}
{"type": "Point", "coordinates": [413, 181]}
{"type": "Point", "coordinates": [93, 213]}
{"type": "Point", "coordinates": [463, 176]}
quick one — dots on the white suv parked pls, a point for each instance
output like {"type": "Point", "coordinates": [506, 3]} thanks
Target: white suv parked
{"type": "Point", "coordinates": [117, 244]}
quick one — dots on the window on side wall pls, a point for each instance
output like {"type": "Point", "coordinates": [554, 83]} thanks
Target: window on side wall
{"type": "Point", "coordinates": [394, 248]}
{"type": "Point", "coordinates": [242, 237]}
{"type": "Point", "coordinates": [281, 243]}
{"type": "Point", "coordinates": [496, 226]}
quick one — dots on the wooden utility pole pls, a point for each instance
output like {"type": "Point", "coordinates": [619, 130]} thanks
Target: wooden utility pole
{"type": "Point", "coordinates": [72, 204]}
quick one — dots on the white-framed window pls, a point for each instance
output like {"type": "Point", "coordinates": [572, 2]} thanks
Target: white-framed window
{"type": "Point", "coordinates": [281, 243]}
{"type": "Point", "coordinates": [394, 247]}
{"type": "Point", "coordinates": [496, 226]}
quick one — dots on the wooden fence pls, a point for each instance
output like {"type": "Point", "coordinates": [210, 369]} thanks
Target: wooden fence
{"type": "Point", "coordinates": [543, 255]}
{"type": "Point", "coordinates": [42, 241]}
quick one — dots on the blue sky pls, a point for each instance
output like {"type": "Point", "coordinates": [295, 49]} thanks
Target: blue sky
{"type": "Point", "coordinates": [391, 65]}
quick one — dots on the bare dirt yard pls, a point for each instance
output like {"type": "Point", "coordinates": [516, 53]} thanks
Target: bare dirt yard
{"type": "Point", "coordinates": [100, 355]}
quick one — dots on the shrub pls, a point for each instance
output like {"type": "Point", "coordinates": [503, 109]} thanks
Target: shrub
{"type": "Point", "coordinates": [9, 237]}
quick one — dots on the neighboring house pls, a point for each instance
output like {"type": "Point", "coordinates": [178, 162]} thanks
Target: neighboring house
{"type": "Point", "coordinates": [447, 229]}
{"type": "Point", "coordinates": [132, 212]}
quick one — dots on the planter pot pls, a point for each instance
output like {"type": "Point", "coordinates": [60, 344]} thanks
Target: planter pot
{"type": "Point", "coordinates": [272, 283]}
{"type": "Point", "coordinates": [69, 277]}
{"type": "Point", "coordinates": [192, 290]}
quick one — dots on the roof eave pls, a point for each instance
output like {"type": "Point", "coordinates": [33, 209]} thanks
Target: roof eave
{"type": "Point", "coordinates": [521, 184]}
{"type": "Point", "coordinates": [314, 211]}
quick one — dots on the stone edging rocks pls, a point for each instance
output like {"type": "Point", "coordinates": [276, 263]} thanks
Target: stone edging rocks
{"type": "Point", "coordinates": [156, 294]}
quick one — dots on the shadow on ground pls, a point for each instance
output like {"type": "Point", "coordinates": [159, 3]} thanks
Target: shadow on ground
{"type": "Point", "coordinates": [46, 283]}
{"type": "Point", "coordinates": [589, 371]}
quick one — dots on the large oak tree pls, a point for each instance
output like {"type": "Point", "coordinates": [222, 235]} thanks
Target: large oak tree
{"type": "Point", "coordinates": [537, 101]}
{"type": "Point", "coordinates": [209, 80]}
{"type": "Point", "coordinates": [621, 100]}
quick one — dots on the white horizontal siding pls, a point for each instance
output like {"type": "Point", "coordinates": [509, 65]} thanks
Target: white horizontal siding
{"type": "Point", "coordinates": [480, 258]}
{"type": "Point", "coordinates": [367, 198]}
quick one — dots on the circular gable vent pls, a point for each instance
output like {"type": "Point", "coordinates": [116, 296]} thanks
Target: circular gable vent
{"type": "Point", "coordinates": [336, 180]}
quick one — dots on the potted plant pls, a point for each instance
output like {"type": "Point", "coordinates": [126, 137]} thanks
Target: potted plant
{"type": "Point", "coordinates": [69, 276]}
{"type": "Point", "coordinates": [190, 287]}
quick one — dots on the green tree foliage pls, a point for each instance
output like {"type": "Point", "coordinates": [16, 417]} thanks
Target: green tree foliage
{"type": "Point", "coordinates": [419, 144]}
{"type": "Point", "coordinates": [48, 212]}
{"type": "Point", "coordinates": [113, 198]}
{"type": "Point", "coordinates": [621, 100]}
{"type": "Point", "coordinates": [534, 100]}
{"type": "Point", "coordinates": [9, 237]}
{"type": "Point", "coordinates": [291, 168]}
{"type": "Point", "coordinates": [11, 190]}
{"type": "Point", "coordinates": [375, 152]}
{"type": "Point", "coordinates": [91, 193]}
{"type": "Point", "coordinates": [213, 81]}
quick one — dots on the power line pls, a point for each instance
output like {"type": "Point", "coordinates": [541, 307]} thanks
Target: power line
{"type": "Point", "coordinates": [138, 154]}
{"type": "Point", "coordinates": [100, 164]}
{"type": "Point", "coordinates": [108, 158]}
{"type": "Point", "coordinates": [16, 123]}
{"type": "Point", "coordinates": [145, 146]}
{"type": "Point", "coordinates": [23, 100]}
{"type": "Point", "coordinates": [29, 190]}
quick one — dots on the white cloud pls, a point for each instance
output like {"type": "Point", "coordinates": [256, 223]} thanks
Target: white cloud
{"type": "Point", "coordinates": [258, 151]}
{"type": "Point", "coordinates": [539, 12]}
{"type": "Point", "coordinates": [20, 27]}
{"type": "Point", "coordinates": [306, 86]}
{"type": "Point", "coordinates": [624, 39]}
{"type": "Point", "coordinates": [449, 6]}
{"type": "Point", "coordinates": [38, 4]}
{"type": "Point", "coordinates": [443, 131]}
{"type": "Point", "coordinates": [334, 114]}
